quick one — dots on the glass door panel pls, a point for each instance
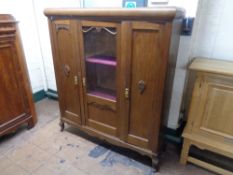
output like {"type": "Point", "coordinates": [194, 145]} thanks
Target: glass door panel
{"type": "Point", "coordinates": [100, 61]}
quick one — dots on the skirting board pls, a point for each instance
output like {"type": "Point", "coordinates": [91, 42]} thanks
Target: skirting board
{"type": "Point", "coordinates": [40, 95]}
{"type": "Point", "coordinates": [37, 96]}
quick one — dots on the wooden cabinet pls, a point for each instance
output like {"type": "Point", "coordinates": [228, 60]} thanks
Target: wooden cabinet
{"type": "Point", "coordinates": [15, 94]}
{"type": "Point", "coordinates": [111, 69]}
{"type": "Point", "coordinates": [210, 120]}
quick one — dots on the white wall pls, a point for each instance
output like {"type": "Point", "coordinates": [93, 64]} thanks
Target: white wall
{"type": "Point", "coordinates": [213, 30]}
{"type": "Point", "coordinates": [29, 35]}
{"type": "Point", "coordinates": [35, 37]}
{"type": "Point", "coordinates": [189, 5]}
{"type": "Point", "coordinates": [102, 3]}
{"type": "Point", "coordinates": [173, 117]}
{"type": "Point", "coordinates": [212, 37]}
{"type": "Point", "coordinates": [44, 39]}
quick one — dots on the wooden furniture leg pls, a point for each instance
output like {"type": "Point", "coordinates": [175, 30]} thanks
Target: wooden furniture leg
{"type": "Point", "coordinates": [30, 124]}
{"type": "Point", "coordinates": [62, 125]}
{"type": "Point", "coordinates": [155, 163]}
{"type": "Point", "coordinates": [185, 152]}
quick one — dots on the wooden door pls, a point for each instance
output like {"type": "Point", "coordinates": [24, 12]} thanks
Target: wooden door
{"type": "Point", "coordinates": [100, 64]}
{"type": "Point", "coordinates": [13, 98]}
{"type": "Point", "coordinates": [211, 112]}
{"type": "Point", "coordinates": [145, 68]}
{"type": "Point", "coordinates": [67, 69]}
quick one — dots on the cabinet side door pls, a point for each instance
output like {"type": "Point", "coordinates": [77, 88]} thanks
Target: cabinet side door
{"type": "Point", "coordinates": [13, 102]}
{"type": "Point", "coordinates": [212, 115]}
{"type": "Point", "coordinates": [67, 69]}
{"type": "Point", "coordinates": [147, 76]}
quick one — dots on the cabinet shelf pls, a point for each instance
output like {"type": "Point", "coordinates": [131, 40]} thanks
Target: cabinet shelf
{"type": "Point", "coordinates": [102, 60]}
{"type": "Point", "coordinates": [103, 95]}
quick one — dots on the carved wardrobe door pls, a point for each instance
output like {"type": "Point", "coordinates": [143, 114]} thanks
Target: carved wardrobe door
{"type": "Point", "coordinates": [16, 105]}
{"type": "Point", "coordinates": [144, 69]}
{"type": "Point", "coordinates": [67, 69]}
{"type": "Point", "coordinates": [12, 97]}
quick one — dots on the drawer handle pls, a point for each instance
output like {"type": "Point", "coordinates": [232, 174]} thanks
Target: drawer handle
{"type": "Point", "coordinates": [102, 107]}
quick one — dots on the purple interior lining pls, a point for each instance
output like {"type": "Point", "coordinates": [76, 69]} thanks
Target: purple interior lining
{"type": "Point", "coordinates": [103, 95]}
{"type": "Point", "coordinates": [102, 60]}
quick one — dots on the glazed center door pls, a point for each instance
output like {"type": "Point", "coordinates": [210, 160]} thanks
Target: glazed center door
{"type": "Point", "coordinates": [100, 62]}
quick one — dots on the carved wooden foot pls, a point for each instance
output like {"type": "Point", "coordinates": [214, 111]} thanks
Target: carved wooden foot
{"type": "Point", "coordinates": [30, 125]}
{"type": "Point", "coordinates": [62, 125]}
{"type": "Point", "coordinates": [155, 163]}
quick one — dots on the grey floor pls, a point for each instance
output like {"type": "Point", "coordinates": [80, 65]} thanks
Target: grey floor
{"type": "Point", "coordinates": [44, 150]}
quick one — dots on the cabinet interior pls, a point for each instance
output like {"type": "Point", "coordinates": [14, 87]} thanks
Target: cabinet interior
{"type": "Point", "coordinates": [101, 61]}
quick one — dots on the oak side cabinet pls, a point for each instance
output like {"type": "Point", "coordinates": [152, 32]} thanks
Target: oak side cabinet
{"type": "Point", "coordinates": [16, 103]}
{"type": "Point", "coordinates": [210, 119]}
{"type": "Point", "coordinates": [110, 67]}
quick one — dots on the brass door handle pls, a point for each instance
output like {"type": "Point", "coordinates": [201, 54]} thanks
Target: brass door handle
{"type": "Point", "coordinates": [141, 86]}
{"type": "Point", "coordinates": [127, 93]}
{"type": "Point", "coordinates": [76, 80]}
{"type": "Point", "coordinates": [84, 81]}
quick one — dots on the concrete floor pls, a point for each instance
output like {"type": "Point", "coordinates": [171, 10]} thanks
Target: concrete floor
{"type": "Point", "coordinates": [44, 150]}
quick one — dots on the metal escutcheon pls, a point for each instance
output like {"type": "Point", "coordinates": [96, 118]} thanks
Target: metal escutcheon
{"type": "Point", "coordinates": [66, 70]}
{"type": "Point", "coordinates": [141, 86]}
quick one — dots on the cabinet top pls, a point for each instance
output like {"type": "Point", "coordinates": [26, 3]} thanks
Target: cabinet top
{"type": "Point", "coordinates": [158, 13]}
{"type": "Point", "coordinates": [7, 18]}
{"type": "Point", "coordinates": [212, 66]}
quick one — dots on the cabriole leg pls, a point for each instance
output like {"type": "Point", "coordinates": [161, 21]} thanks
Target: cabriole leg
{"type": "Point", "coordinates": [62, 125]}
{"type": "Point", "coordinates": [29, 125]}
{"type": "Point", "coordinates": [155, 163]}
